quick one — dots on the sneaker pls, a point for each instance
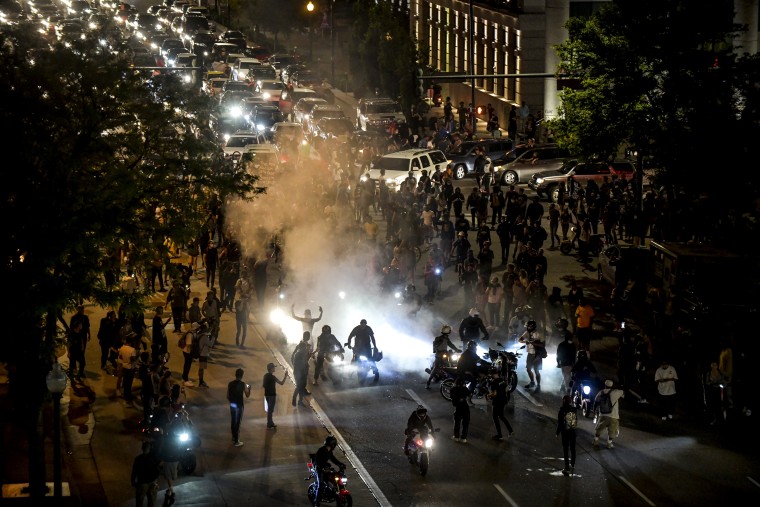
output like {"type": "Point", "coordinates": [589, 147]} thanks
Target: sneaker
{"type": "Point", "coordinates": [497, 437]}
{"type": "Point", "coordinates": [528, 386]}
{"type": "Point", "coordinates": [294, 403]}
{"type": "Point", "coordinates": [203, 384]}
{"type": "Point", "coordinates": [271, 426]}
{"type": "Point", "coordinates": [664, 418]}
{"type": "Point", "coordinates": [427, 386]}
{"type": "Point", "coordinates": [238, 444]}
{"type": "Point", "coordinates": [463, 441]}
{"type": "Point", "coordinates": [565, 471]}
{"type": "Point", "coordinates": [595, 442]}
{"type": "Point", "coordinates": [189, 383]}
{"type": "Point", "coordinates": [307, 393]}
{"type": "Point", "coordinates": [610, 445]}
{"type": "Point", "coordinates": [455, 439]}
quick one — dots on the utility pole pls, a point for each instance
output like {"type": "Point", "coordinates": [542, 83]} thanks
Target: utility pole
{"type": "Point", "coordinates": [472, 64]}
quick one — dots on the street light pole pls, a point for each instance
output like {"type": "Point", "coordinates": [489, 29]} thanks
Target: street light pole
{"type": "Point", "coordinates": [56, 384]}
{"type": "Point", "coordinates": [310, 8]}
{"type": "Point", "coordinates": [332, 45]}
{"type": "Point", "coordinates": [472, 64]}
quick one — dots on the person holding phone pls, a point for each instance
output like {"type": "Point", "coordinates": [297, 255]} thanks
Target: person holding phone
{"type": "Point", "coordinates": [235, 391]}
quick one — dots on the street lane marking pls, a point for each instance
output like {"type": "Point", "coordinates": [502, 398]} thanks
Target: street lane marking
{"type": "Point", "coordinates": [753, 481]}
{"type": "Point", "coordinates": [636, 490]}
{"type": "Point", "coordinates": [330, 427]}
{"type": "Point", "coordinates": [415, 397]}
{"type": "Point", "coordinates": [528, 396]}
{"type": "Point", "coordinates": [505, 495]}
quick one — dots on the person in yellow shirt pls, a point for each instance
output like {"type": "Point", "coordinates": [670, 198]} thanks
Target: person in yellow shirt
{"type": "Point", "coordinates": [584, 315]}
{"type": "Point", "coordinates": [370, 229]}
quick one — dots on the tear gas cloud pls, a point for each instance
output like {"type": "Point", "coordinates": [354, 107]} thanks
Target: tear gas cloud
{"type": "Point", "coordinates": [322, 260]}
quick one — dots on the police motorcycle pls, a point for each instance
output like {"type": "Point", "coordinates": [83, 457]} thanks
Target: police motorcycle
{"type": "Point", "coordinates": [335, 489]}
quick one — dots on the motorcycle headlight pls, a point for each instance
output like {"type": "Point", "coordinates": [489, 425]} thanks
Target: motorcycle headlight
{"type": "Point", "coordinates": [344, 480]}
{"type": "Point", "coordinates": [455, 357]}
{"type": "Point", "coordinates": [363, 358]}
{"type": "Point", "coordinates": [437, 271]}
{"type": "Point", "coordinates": [184, 437]}
{"type": "Point", "coordinates": [429, 443]}
{"type": "Point", "coordinates": [397, 295]}
{"type": "Point", "coordinates": [342, 295]}
{"type": "Point", "coordinates": [586, 390]}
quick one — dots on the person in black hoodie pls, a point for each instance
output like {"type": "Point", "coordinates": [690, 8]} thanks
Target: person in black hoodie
{"type": "Point", "coordinates": [567, 421]}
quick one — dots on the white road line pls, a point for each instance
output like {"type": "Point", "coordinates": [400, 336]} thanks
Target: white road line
{"type": "Point", "coordinates": [636, 490]}
{"type": "Point", "coordinates": [529, 397]}
{"type": "Point", "coordinates": [753, 481]}
{"type": "Point", "coordinates": [415, 397]}
{"type": "Point", "coordinates": [505, 495]}
{"type": "Point", "coordinates": [329, 426]}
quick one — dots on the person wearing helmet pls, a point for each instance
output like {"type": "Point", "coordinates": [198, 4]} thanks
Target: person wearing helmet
{"type": "Point", "coordinates": [469, 364]}
{"type": "Point", "coordinates": [536, 353]}
{"type": "Point", "coordinates": [307, 321]}
{"type": "Point", "coordinates": [471, 327]}
{"type": "Point", "coordinates": [322, 460]}
{"type": "Point", "coordinates": [420, 422]}
{"type": "Point", "coordinates": [441, 345]}
{"type": "Point", "coordinates": [327, 344]}
{"type": "Point", "coordinates": [364, 343]}
{"type": "Point", "coordinates": [565, 354]}
{"type": "Point", "coordinates": [583, 371]}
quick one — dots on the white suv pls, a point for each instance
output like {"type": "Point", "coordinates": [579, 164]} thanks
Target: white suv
{"type": "Point", "coordinates": [396, 166]}
{"type": "Point", "coordinates": [378, 113]}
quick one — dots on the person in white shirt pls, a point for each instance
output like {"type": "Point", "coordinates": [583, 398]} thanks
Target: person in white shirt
{"type": "Point", "coordinates": [665, 377]}
{"type": "Point", "coordinates": [609, 416]}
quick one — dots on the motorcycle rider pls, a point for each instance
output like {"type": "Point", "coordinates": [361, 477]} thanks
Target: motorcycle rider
{"type": "Point", "coordinates": [419, 421]}
{"type": "Point", "coordinates": [471, 327]}
{"type": "Point", "coordinates": [565, 353]}
{"type": "Point", "coordinates": [327, 343]}
{"type": "Point", "coordinates": [363, 344]}
{"type": "Point", "coordinates": [441, 345]}
{"type": "Point", "coordinates": [411, 300]}
{"type": "Point", "coordinates": [469, 365]}
{"type": "Point", "coordinates": [535, 348]}
{"type": "Point", "coordinates": [583, 371]}
{"type": "Point", "coordinates": [321, 462]}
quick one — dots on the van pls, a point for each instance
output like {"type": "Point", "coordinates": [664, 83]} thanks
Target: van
{"type": "Point", "coordinates": [396, 166]}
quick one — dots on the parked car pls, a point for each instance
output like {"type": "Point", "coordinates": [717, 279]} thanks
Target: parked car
{"type": "Point", "coordinates": [626, 267]}
{"type": "Point", "coordinates": [462, 158]}
{"type": "Point", "coordinates": [519, 164]}
{"type": "Point", "coordinates": [396, 166]}
{"type": "Point", "coordinates": [547, 184]}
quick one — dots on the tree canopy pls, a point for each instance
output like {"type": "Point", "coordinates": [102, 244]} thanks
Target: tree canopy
{"type": "Point", "coordinates": [660, 77]}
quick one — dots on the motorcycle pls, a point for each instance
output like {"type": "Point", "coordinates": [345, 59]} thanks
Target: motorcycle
{"type": "Point", "coordinates": [595, 242]}
{"type": "Point", "coordinates": [443, 370]}
{"type": "Point", "coordinates": [365, 365]}
{"type": "Point", "coordinates": [332, 368]}
{"type": "Point", "coordinates": [584, 392]}
{"type": "Point", "coordinates": [179, 432]}
{"type": "Point", "coordinates": [419, 449]}
{"type": "Point", "coordinates": [482, 381]}
{"type": "Point", "coordinates": [506, 363]}
{"type": "Point", "coordinates": [334, 489]}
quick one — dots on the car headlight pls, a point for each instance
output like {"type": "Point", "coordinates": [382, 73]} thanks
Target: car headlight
{"type": "Point", "coordinates": [186, 78]}
{"type": "Point", "coordinates": [266, 95]}
{"type": "Point", "coordinates": [236, 111]}
{"type": "Point", "coordinates": [539, 181]}
{"type": "Point", "coordinates": [92, 26]}
{"type": "Point", "coordinates": [158, 26]}
{"type": "Point", "coordinates": [260, 126]}
{"type": "Point", "coordinates": [226, 137]}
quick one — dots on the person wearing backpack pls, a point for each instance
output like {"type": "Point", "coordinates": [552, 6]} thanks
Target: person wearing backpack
{"type": "Point", "coordinates": [186, 344]}
{"type": "Point", "coordinates": [567, 422]}
{"type": "Point", "coordinates": [606, 405]}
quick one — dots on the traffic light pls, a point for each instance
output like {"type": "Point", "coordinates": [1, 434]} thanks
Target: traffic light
{"type": "Point", "coordinates": [420, 83]}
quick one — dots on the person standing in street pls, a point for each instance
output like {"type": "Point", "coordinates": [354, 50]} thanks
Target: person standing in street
{"type": "Point", "coordinates": [500, 397]}
{"type": "Point", "coordinates": [108, 333]}
{"type": "Point", "coordinates": [128, 363]}
{"type": "Point", "coordinates": [584, 315]}
{"type": "Point", "coordinates": [300, 361]}
{"type": "Point", "coordinates": [307, 321]}
{"type": "Point", "coordinates": [145, 471]}
{"type": "Point", "coordinates": [186, 344]}
{"type": "Point", "coordinates": [665, 377]}
{"type": "Point", "coordinates": [176, 299]}
{"type": "Point", "coordinates": [241, 320]}
{"type": "Point", "coordinates": [211, 310]}
{"type": "Point", "coordinates": [270, 392]}
{"type": "Point", "coordinates": [212, 260]}
{"type": "Point", "coordinates": [459, 396]}
{"type": "Point", "coordinates": [205, 342]}
{"type": "Point", "coordinates": [235, 391]}
{"type": "Point", "coordinates": [607, 404]}
{"type": "Point", "coordinates": [159, 344]}
{"type": "Point", "coordinates": [567, 421]}
{"type": "Point", "coordinates": [77, 343]}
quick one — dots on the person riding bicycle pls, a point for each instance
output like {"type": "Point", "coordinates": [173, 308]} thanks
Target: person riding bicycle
{"type": "Point", "coordinates": [364, 343]}
{"type": "Point", "coordinates": [322, 461]}
{"type": "Point", "coordinates": [471, 327]}
{"type": "Point", "coordinates": [441, 345]}
{"type": "Point", "coordinates": [420, 422]}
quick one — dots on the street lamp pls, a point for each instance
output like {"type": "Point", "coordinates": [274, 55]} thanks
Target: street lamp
{"type": "Point", "coordinates": [310, 8]}
{"type": "Point", "coordinates": [56, 384]}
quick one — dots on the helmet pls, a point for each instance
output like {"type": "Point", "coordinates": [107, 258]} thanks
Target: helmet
{"type": "Point", "coordinates": [531, 325]}
{"type": "Point", "coordinates": [472, 344]}
{"type": "Point", "coordinates": [326, 329]}
{"type": "Point", "coordinates": [561, 323]}
{"type": "Point", "coordinates": [411, 288]}
{"type": "Point", "coordinates": [363, 322]}
{"type": "Point", "coordinates": [331, 441]}
{"type": "Point", "coordinates": [582, 355]}
{"type": "Point", "coordinates": [461, 234]}
{"type": "Point", "coordinates": [445, 329]}
{"type": "Point", "coordinates": [474, 312]}
{"type": "Point", "coordinates": [421, 411]}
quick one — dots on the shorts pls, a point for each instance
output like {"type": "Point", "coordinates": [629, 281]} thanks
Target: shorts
{"type": "Point", "coordinates": [170, 470]}
{"type": "Point", "coordinates": [203, 362]}
{"type": "Point", "coordinates": [533, 361]}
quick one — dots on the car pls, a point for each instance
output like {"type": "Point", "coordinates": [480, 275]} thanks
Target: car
{"type": "Point", "coordinates": [170, 44]}
{"type": "Point", "coordinates": [305, 78]}
{"type": "Point", "coordinates": [270, 89]}
{"type": "Point", "coordinates": [303, 107]}
{"type": "Point", "coordinates": [80, 7]}
{"type": "Point", "coordinates": [240, 140]}
{"type": "Point", "coordinates": [548, 184]}
{"type": "Point", "coordinates": [234, 37]}
{"type": "Point", "coordinates": [281, 60]}
{"type": "Point", "coordinates": [192, 25]}
{"type": "Point", "coordinates": [195, 9]}
{"type": "Point", "coordinates": [322, 111]}
{"type": "Point", "coordinates": [172, 54]}
{"type": "Point", "coordinates": [207, 38]}
{"type": "Point", "coordinates": [522, 162]}
{"type": "Point", "coordinates": [230, 102]}
{"type": "Point", "coordinates": [625, 267]}
{"type": "Point", "coordinates": [213, 86]}
{"type": "Point", "coordinates": [240, 86]}
{"type": "Point", "coordinates": [262, 156]}
{"type": "Point", "coordinates": [291, 96]}
{"type": "Point", "coordinates": [378, 113]}
{"type": "Point", "coordinates": [396, 166]}
{"type": "Point", "coordinates": [462, 158]}
{"type": "Point", "coordinates": [259, 72]}
{"type": "Point", "coordinates": [241, 66]}
{"type": "Point", "coordinates": [185, 60]}
{"type": "Point", "coordinates": [221, 49]}
{"type": "Point", "coordinates": [334, 129]}
{"type": "Point", "coordinates": [264, 117]}
{"type": "Point", "coordinates": [287, 132]}
{"type": "Point", "coordinates": [257, 51]}
{"type": "Point", "coordinates": [287, 72]}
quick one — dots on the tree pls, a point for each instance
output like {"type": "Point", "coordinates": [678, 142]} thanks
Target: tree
{"type": "Point", "coordinates": [104, 161]}
{"type": "Point", "coordinates": [658, 77]}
